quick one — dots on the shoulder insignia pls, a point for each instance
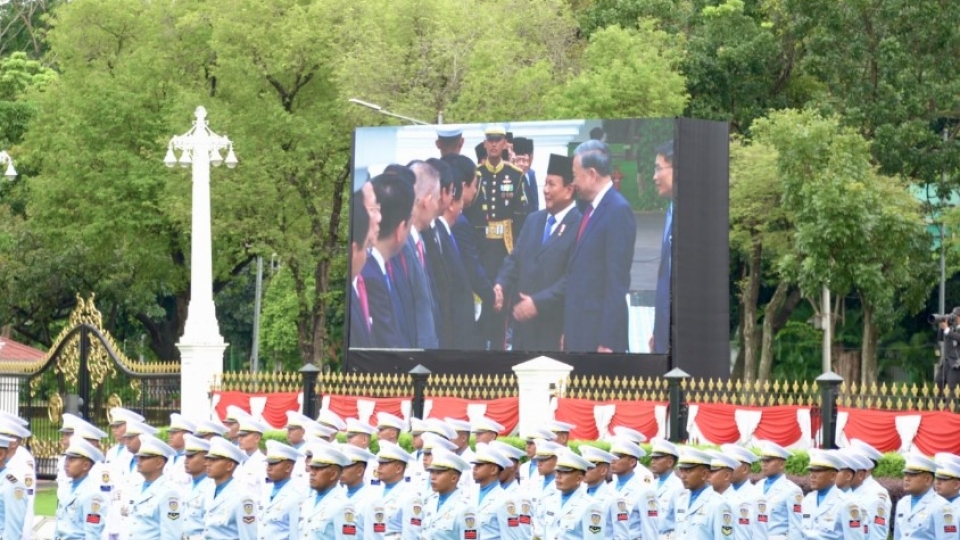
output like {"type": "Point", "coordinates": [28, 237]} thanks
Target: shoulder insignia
{"type": "Point", "coordinates": [12, 478]}
{"type": "Point", "coordinates": [173, 508]}
{"type": "Point", "coordinates": [105, 477]}
{"type": "Point", "coordinates": [18, 493]}
{"type": "Point", "coordinates": [727, 527]}
{"type": "Point", "coordinates": [596, 520]}
{"type": "Point", "coordinates": [93, 518]}
{"type": "Point", "coordinates": [248, 506]}
{"type": "Point", "coordinates": [470, 532]}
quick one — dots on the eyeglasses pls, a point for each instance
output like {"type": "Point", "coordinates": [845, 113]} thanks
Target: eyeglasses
{"type": "Point", "coordinates": [658, 168]}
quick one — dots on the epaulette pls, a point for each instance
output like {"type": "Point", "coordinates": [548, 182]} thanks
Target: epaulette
{"type": "Point", "coordinates": [12, 478]}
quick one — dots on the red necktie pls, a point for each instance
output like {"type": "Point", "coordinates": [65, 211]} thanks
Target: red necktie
{"type": "Point", "coordinates": [362, 295]}
{"type": "Point", "coordinates": [583, 222]}
{"type": "Point", "coordinates": [423, 260]}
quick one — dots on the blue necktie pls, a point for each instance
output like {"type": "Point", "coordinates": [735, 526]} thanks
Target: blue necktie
{"type": "Point", "coordinates": [546, 230]}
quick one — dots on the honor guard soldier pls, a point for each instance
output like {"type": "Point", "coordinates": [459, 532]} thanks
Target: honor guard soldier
{"type": "Point", "coordinates": [253, 471]}
{"type": "Point", "coordinates": [637, 438]}
{"type": "Point", "coordinates": [498, 513]}
{"type": "Point", "coordinates": [431, 442]}
{"type": "Point", "coordinates": [663, 459]}
{"type": "Point", "coordinates": [741, 479]}
{"type": "Point", "coordinates": [200, 489]}
{"type": "Point", "coordinates": [779, 501]}
{"type": "Point", "coordinates": [561, 430]}
{"type": "Point", "coordinates": [721, 480]}
{"type": "Point", "coordinates": [540, 491]}
{"type": "Point", "coordinates": [130, 483]}
{"type": "Point", "coordinates": [231, 510]}
{"type": "Point", "coordinates": [509, 480]}
{"type": "Point", "coordinates": [118, 453]}
{"type": "Point", "coordinates": [497, 216]}
{"type": "Point", "coordinates": [921, 513]}
{"type": "Point", "coordinates": [280, 507]}
{"type": "Point", "coordinates": [415, 469]}
{"type": "Point", "coordinates": [232, 420]}
{"type": "Point", "coordinates": [82, 509]}
{"type": "Point", "coordinates": [631, 487]}
{"type": "Point", "coordinates": [853, 467]}
{"type": "Point", "coordinates": [873, 496]}
{"type": "Point", "coordinates": [314, 431]}
{"type": "Point", "coordinates": [157, 510]}
{"type": "Point", "coordinates": [448, 513]}
{"type": "Point", "coordinates": [826, 512]}
{"type": "Point", "coordinates": [332, 420]}
{"type": "Point", "coordinates": [360, 494]}
{"type": "Point", "coordinates": [623, 520]}
{"type": "Point", "coordinates": [397, 508]}
{"type": "Point", "coordinates": [20, 464]}
{"type": "Point", "coordinates": [462, 440]}
{"type": "Point", "coordinates": [570, 513]}
{"type": "Point", "coordinates": [208, 429]}
{"type": "Point", "coordinates": [389, 427]}
{"type": "Point", "coordinates": [528, 471]}
{"type": "Point", "coordinates": [326, 513]}
{"type": "Point", "coordinates": [179, 427]}
{"type": "Point", "coordinates": [14, 500]}
{"type": "Point", "coordinates": [947, 481]}
{"type": "Point", "coordinates": [701, 513]}
{"type": "Point", "coordinates": [118, 466]}
{"type": "Point", "coordinates": [296, 428]}
{"type": "Point", "coordinates": [77, 428]}
{"type": "Point", "coordinates": [486, 430]}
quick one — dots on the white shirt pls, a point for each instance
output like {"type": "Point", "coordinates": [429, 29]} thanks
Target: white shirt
{"type": "Point", "coordinates": [446, 227]}
{"type": "Point", "coordinates": [603, 191]}
{"type": "Point", "coordinates": [377, 256]}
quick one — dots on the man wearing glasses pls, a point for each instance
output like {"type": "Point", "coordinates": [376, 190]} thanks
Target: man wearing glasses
{"type": "Point", "coordinates": [663, 178]}
{"type": "Point", "coordinates": [231, 513]}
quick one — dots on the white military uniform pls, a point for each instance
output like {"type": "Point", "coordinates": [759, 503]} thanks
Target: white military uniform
{"type": "Point", "coordinates": [175, 472]}
{"type": "Point", "coordinates": [157, 512]}
{"type": "Point", "coordinates": [253, 472]}
{"type": "Point", "coordinates": [81, 511]}
{"type": "Point", "coordinates": [640, 501]}
{"type": "Point", "coordinates": [196, 497]}
{"type": "Point", "coordinates": [618, 516]}
{"type": "Point", "coordinates": [779, 510]}
{"type": "Point", "coordinates": [836, 517]}
{"type": "Point", "coordinates": [280, 512]}
{"type": "Point", "coordinates": [231, 514]}
{"type": "Point", "coordinates": [932, 518]}
{"type": "Point", "coordinates": [875, 499]}
{"type": "Point", "coordinates": [125, 490]}
{"type": "Point", "coordinates": [499, 515]}
{"type": "Point", "coordinates": [23, 466]}
{"type": "Point", "coordinates": [392, 511]}
{"type": "Point", "coordinates": [330, 517]}
{"type": "Point", "coordinates": [455, 520]}
{"type": "Point", "coordinates": [580, 518]}
{"type": "Point", "coordinates": [667, 492]}
{"type": "Point", "coordinates": [709, 517]}
{"type": "Point", "coordinates": [540, 499]}
{"type": "Point", "coordinates": [116, 472]}
{"type": "Point", "coordinates": [14, 505]}
{"type": "Point", "coordinates": [744, 514]}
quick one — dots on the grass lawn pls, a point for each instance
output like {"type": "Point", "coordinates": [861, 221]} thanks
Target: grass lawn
{"type": "Point", "coordinates": [46, 502]}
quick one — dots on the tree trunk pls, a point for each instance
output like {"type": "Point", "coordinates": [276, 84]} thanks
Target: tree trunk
{"type": "Point", "coordinates": [737, 373]}
{"type": "Point", "coordinates": [846, 364]}
{"type": "Point", "coordinates": [750, 293]}
{"type": "Point", "coordinates": [868, 357]}
{"type": "Point", "coordinates": [770, 313]}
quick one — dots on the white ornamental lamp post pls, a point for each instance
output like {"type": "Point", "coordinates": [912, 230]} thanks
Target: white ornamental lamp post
{"type": "Point", "coordinates": [5, 159]}
{"type": "Point", "coordinates": [201, 346]}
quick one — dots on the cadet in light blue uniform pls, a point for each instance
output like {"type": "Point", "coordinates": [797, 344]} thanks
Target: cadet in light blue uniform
{"type": "Point", "coordinates": [921, 513]}
{"type": "Point", "coordinates": [722, 466]}
{"type": "Point", "coordinates": [82, 510]}
{"type": "Point", "coordinates": [621, 517]}
{"type": "Point", "coordinates": [14, 500]}
{"type": "Point", "coordinates": [575, 515]}
{"type": "Point", "coordinates": [663, 459]}
{"type": "Point", "coordinates": [702, 514]}
{"type": "Point", "coordinates": [179, 428]}
{"type": "Point", "coordinates": [326, 513]}
{"type": "Point", "coordinates": [156, 512]}
{"type": "Point", "coordinates": [497, 512]}
{"type": "Point", "coordinates": [359, 493]}
{"type": "Point", "coordinates": [827, 513]}
{"type": "Point", "coordinates": [637, 493]}
{"type": "Point", "coordinates": [779, 501]}
{"type": "Point", "coordinates": [280, 508]}
{"type": "Point", "coordinates": [232, 510]}
{"type": "Point", "coordinates": [200, 489]}
{"type": "Point", "coordinates": [947, 481]}
{"type": "Point", "coordinates": [871, 494]}
{"type": "Point", "coordinates": [448, 512]}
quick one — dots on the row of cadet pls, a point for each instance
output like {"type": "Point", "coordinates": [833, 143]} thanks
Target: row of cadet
{"type": "Point", "coordinates": [211, 481]}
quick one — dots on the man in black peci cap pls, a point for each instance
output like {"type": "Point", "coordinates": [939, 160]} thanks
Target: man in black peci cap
{"type": "Point", "coordinates": [523, 158]}
{"type": "Point", "coordinates": [533, 276]}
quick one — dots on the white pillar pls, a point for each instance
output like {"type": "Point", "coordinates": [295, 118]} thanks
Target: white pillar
{"type": "Point", "coordinates": [202, 345]}
{"type": "Point", "coordinates": [534, 378]}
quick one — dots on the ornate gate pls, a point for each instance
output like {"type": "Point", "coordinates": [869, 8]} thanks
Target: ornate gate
{"type": "Point", "coordinates": [86, 373]}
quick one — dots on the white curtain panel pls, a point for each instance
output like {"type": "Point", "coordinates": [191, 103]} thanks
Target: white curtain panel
{"type": "Point", "coordinates": [660, 414]}
{"type": "Point", "coordinates": [907, 426]}
{"type": "Point", "coordinates": [747, 421]}
{"type": "Point", "coordinates": [603, 415]}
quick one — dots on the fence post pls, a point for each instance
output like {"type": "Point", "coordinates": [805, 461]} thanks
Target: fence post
{"type": "Point", "coordinates": [83, 377]}
{"type": "Point", "coordinates": [829, 385]}
{"type": "Point", "coordinates": [534, 379]}
{"type": "Point", "coordinates": [420, 375]}
{"type": "Point", "coordinates": [309, 373]}
{"type": "Point", "coordinates": [678, 408]}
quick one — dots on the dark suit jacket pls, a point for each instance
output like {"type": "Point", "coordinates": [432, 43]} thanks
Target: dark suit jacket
{"type": "Point", "coordinates": [595, 310]}
{"type": "Point", "coordinates": [439, 280]}
{"type": "Point", "coordinates": [661, 313]}
{"type": "Point", "coordinates": [540, 271]}
{"type": "Point", "coordinates": [424, 307]}
{"type": "Point", "coordinates": [385, 309]}
{"type": "Point", "coordinates": [466, 237]}
{"type": "Point", "coordinates": [359, 334]}
{"type": "Point", "coordinates": [457, 310]}
{"type": "Point", "coordinates": [400, 271]}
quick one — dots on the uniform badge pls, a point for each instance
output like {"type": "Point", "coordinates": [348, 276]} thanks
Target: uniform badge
{"type": "Point", "coordinates": [948, 525]}
{"type": "Point", "coordinates": [105, 477]}
{"type": "Point", "coordinates": [595, 520]}
{"type": "Point", "coordinates": [95, 507]}
{"type": "Point", "coordinates": [28, 481]}
{"type": "Point", "coordinates": [173, 509]}
{"type": "Point", "coordinates": [18, 493]}
{"type": "Point", "coordinates": [525, 513]}
{"type": "Point", "coordinates": [744, 516]}
{"type": "Point", "coordinates": [652, 509]}
{"type": "Point", "coordinates": [470, 533]}
{"type": "Point", "coordinates": [470, 521]}
{"type": "Point", "coordinates": [378, 525]}
{"type": "Point", "coordinates": [798, 503]}
{"type": "Point", "coordinates": [762, 512]}
{"type": "Point", "coordinates": [511, 509]}
{"type": "Point", "coordinates": [248, 507]}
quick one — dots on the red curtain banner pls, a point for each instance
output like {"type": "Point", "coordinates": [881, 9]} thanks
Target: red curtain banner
{"type": "Point", "coordinates": [275, 410]}
{"type": "Point", "coordinates": [638, 415]}
{"type": "Point", "coordinates": [878, 428]}
{"type": "Point", "coordinates": [938, 433]}
{"type": "Point", "coordinates": [779, 424]}
{"type": "Point", "coordinates": [578, 412]}
{"type": "Point", "coordinates": [449, 407]}
{"type": "Point", "coordinates": [504, 411]}
{"type": "Point", "coordinates": [716, 422]}
{"type": "Point", "coordinates": [240, 399]}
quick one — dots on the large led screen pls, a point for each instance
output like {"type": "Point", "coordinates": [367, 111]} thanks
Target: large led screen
{"type": "Point", "coordinates": [540, 237]}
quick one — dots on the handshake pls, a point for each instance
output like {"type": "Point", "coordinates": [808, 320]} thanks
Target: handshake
{"type": "Point", "coordinates": [524, 310]}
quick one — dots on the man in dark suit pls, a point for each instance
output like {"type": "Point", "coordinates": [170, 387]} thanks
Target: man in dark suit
{"type": "Point", "coordinates": [595, 309]}
{"type": "Point", "coordinates": [395, 196]}
{"type": "Point", "coordinates": [455, 325]}
{"type": "Point", "coordinates": [523, 158]}
{"type": "Point", "coordinates": [366, 217]}
{"type": "Point", "coordinates": [535, 273]}
{"type": "Point", "coordinates": [663, 178]}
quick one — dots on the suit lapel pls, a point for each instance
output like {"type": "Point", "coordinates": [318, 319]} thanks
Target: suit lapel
{"type": "Point", "coordinates": [596, 217]}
